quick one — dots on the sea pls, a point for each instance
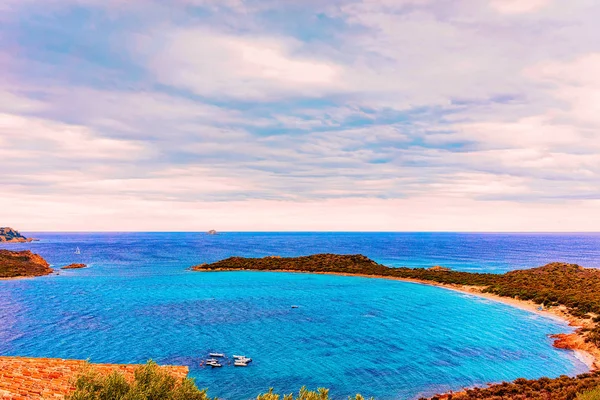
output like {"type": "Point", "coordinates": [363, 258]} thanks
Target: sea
{"type": "Point", "coordinates": [138, 300]}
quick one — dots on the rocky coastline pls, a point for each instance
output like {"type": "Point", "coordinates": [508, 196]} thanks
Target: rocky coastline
{"type": "Point", "coordinates": [22, 264]}
{"type": "Point", "coordinates": [75, 266]}
{"type": "Point", "coordinates": [10, 235]}
{"type": "Point", "coordinates": [27, 378]}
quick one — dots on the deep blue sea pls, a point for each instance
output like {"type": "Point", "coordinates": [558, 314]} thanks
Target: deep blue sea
{"type": "Point", "coordinates": [388, 339]}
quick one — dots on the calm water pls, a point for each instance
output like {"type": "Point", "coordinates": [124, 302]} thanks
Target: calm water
{"type": "Point", "coordinates": [382, 338]}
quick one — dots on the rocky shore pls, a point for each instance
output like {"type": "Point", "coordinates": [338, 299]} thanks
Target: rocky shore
{"type": "Point", "coordinates": [74, 266]}
{"type": "Point", "coordinates": [22, 264]}
{"type": "Point", "coordinates": [9, 235]}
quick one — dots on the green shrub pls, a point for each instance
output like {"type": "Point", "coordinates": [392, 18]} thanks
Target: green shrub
{"type": "Point", "coordinates": [593, 394]}
{"type": "Point", "coordinates": [304, 394]}
{"type": "Point", "coordinates": [150, 383]}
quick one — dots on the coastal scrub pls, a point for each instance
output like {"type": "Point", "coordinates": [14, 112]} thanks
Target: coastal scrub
{"type": "Point", "coordinates": [150, 383]}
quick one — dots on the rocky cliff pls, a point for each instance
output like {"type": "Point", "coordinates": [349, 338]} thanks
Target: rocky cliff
{"type": "Point", "coordinates": [9, 235]}
{"type": "Point", "coordinates": [15, 264]}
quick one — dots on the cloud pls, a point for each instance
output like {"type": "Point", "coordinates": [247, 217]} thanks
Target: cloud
{"type": "Point", "coordinates": [405, 114]}
{"type": "Point", "coordinates": [30, 138]}
{"type": "Point", "coordinates": [226, 66]}
{"type": "Point", "coordinates": [518, 6]}
{"type": "Point", "coordinates": [427, 213]}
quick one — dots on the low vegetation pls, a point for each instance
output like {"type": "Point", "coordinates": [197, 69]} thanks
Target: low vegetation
{"type": "Point", "coordinates": [582, 387]}
{"type": "Point", "coordinates": [593, 394]}
{"type": "Point", "coordinates": [150, 383]}
{"type": "Point", "coordinates": [303, 394]}
{"type": "Point", "coordinates": [575, 288]}
{"type": "Point", "coordinates": [15, 264]}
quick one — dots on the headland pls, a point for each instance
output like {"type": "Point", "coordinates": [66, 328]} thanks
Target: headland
{"type": "Point", "coordinates": [10, 235]}
{"type": "Point", "coordinates": [22, 264]}
{"type": "Point", "coordinates": [565, 291]}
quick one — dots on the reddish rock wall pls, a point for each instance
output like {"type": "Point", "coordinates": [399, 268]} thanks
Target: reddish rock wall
{"type": "Point", "coordinates": [51, 378]}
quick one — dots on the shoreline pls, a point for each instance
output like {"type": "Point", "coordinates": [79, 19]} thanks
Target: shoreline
{"type": "Point", "coordinates": [15, 278]}
{"type": "Point", "coordinates": [574, 341]}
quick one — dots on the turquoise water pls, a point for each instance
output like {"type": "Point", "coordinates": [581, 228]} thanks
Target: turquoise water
{"type": "Point", "coordinates": [388, 339]}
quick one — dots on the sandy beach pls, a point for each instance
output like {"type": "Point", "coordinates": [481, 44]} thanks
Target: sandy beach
{"type": "Point", "coordinates": [575, 341]}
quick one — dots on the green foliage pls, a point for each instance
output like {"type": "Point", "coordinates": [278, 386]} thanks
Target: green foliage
{"type": "Point", "coordinates": [150, 383]}
{"type": "Point", "coordinates": [593, 394]}
{"type": "Point", "coordinates": [561, 388]}
{"type": "Point", "coordinates": [569, 285]}
{"type": "Point", "coordinates": [303, 394]}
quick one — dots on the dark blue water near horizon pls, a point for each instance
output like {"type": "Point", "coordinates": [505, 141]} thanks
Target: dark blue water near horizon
{"type": "Point", "coordinates": [474, 252]}
{"type": "Point", "coordinates": [388, 339]}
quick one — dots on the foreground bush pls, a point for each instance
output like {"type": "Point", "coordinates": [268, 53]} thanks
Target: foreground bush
{"type": "Point", "coordinates": [304, 394]}
{"type": "Point", "coordinates": [590, 395]}
{"type": "Point", "coordinates": [561, 388]}
{"type": "Point", "coordinates": [150, 383]}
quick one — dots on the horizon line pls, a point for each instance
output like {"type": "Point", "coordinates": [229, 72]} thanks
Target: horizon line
{"type": "Point", "coordinates": [307, 231]}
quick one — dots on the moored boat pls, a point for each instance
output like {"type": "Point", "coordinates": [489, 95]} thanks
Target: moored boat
{"type": "Point", "coordinates": [216, 354]}
{"type": "Point", "coordinates": [214, 364]}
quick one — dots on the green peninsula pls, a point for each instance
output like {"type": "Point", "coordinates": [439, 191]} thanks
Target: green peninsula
{"type": "Point", "coordinates": [566, 290]}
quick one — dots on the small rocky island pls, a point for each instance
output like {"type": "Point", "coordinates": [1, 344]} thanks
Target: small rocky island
{"type": "Point", "coordinates": [10, 235]}
{"type": "Point", "coordinates": [211, 232]}
{"type": "Point", "coordinates": [21, 264]}
{"type": "Point", "coordinates": [75, 266]}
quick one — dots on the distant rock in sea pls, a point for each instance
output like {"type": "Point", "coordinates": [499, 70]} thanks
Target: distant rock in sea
{"type": "Point", "coordinates": [212, 232]}
{"type": "Point", "coordinates": [74, 266]}
{"type": "Point", "coordinates": [16, 264]}
{"type": "Point", "coordinates": [9, 235]}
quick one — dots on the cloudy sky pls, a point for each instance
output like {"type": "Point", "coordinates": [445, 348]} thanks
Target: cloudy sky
{"type": "Point", "coordinates": [460, 115]}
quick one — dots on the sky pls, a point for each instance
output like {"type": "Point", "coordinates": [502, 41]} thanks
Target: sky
{"type": "Point", "coordinates": [300, 115]}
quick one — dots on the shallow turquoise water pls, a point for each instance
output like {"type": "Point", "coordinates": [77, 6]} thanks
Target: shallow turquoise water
{"type": "Point", "coordinates": [381, 338]}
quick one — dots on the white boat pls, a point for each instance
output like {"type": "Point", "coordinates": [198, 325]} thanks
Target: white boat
{"type": "Point", "coordinates": [212, 363]}
{"type": "Point", "coordinates": [240, 364]}
{"type": "Point", "coordinates": [243, 359]}
{"type": "Point", "coordinates": [234, 356]}
{"type": "Point", "coordinates": [77, 251]}
{"type": "Point", "coordinates": [216, 354]}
